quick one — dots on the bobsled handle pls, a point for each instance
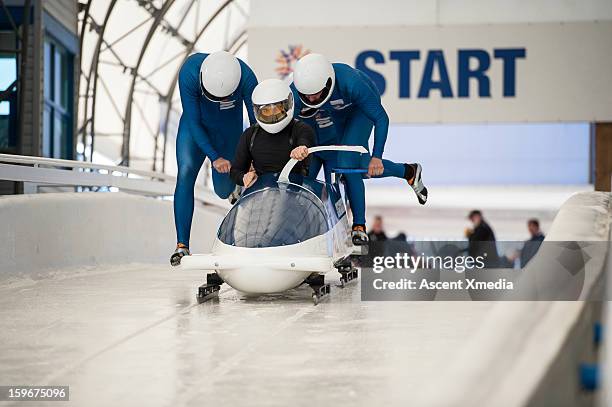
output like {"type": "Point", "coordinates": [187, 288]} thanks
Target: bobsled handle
{"type": "Point", "coordinates": [284, 175]}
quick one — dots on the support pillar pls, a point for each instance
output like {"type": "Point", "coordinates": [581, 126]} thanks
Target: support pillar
{"type": "Point", "coordinates": [603, 156]}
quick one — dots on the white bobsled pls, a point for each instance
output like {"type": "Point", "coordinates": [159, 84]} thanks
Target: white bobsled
{"type": "Point", "coordinates": [280, 232]}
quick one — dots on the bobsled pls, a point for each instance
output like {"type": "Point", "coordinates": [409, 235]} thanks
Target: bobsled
{"type": "Point", "coordinates": [283, 232]}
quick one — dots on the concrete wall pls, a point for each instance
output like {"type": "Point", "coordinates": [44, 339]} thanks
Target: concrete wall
{"type": "Point", "coordinates": [64, 11]}
{"type": "Point", "coordinates": [281, 13]}
{"type": "Point", "coordinates": [45, 232]}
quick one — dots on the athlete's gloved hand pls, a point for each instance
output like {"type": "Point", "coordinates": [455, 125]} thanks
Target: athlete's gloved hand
{"type": "Point", "coordinates": [376, 167]}
{"type": "Point", "coordinates": [249, 178]}
{"type": "Point", "coordinates": [222, 165]}
{"type": "Point", "coordinates": [299, 153]}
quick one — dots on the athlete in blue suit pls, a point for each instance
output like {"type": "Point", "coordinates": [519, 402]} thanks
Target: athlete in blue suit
{"type": "Point", "coordinates": [213, 90]}
{"type": "Point", "coordinates": [354, 104]}
{"type": "Point", "coordinates": [325, 135]}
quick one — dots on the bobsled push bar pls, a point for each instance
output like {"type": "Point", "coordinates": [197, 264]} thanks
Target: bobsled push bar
{"type": "Point", "coordinates": [224, 262]}
{"type": "Point", "coordinates": [284, 175]}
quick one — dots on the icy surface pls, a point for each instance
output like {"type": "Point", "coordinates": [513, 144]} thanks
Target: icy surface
{"type": "Point", "coordinates": [135, 335]}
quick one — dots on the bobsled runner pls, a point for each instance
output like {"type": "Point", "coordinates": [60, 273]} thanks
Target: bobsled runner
{"type": "Point", "coordinates": [281, 233]}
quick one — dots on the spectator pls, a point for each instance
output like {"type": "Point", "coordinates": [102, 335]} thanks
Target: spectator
{"type": "Point", "coordinates": [481, 239]}
{"type": "Point", "coordinates": [533, 244]}
{"type": "Point", "coordinates": [400, 244]}
{"type": "Point", "coordinates": [401, 237]}
{"type": "Point", "coordinates": [377, 233]}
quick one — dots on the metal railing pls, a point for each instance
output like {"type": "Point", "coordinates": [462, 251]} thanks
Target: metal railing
{"type": "Point", "coordinates": [50, 172]}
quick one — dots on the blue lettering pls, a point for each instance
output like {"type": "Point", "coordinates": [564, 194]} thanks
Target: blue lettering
{"type": "Point", "coordinates": [377, 78]}
{"type": "Point", "coordinates": [472, 64]}
{"type": "Point", "coordinates": [509, 57]}
{"type": "Point", "coordinates": [404, 58]}
{"type": "Point", "coordinates": [479, 73]}
{"type": "Point", "coordinates": [434, 58]}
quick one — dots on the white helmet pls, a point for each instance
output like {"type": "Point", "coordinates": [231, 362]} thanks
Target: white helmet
{"type": "Point", "coordinates": [273, 105]}
{"type": "Point", "coordinates": [314, 79]}
{"type": "Point", "coordinates": [219, 76]}
{"type": "Point", "coordinates": [306, 112]}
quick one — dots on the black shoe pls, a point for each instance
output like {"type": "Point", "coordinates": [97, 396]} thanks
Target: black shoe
{"type": "Point", "coordinates": [181, 250]}
{"type": "Point", "coordinates": [359, 235]}
{"type": "Point", "coordinates": [413, 174]}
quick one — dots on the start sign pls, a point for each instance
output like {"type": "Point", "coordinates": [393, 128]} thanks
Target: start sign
{"type": "Point", "coordinates": [468, 73]}
{"type": "Point", "coordinates": [472, 64]}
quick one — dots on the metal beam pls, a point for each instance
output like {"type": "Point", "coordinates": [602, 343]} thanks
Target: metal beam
{"type": "Point", "coordinates": [125, 149]}
{"type": "Point", "coordinates": [172, 88]}
{"type": "Point", "coordinates": [93, 78]}
{"type": "Point", "coordinates": [22, 70]}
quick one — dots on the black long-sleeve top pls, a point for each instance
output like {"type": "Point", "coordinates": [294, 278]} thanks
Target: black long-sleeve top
{"type": "Point", "coordinates": [270, 152]}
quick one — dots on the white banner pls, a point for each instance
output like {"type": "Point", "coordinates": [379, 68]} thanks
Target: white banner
{"type": "Point", "coordinates": [464, 73]}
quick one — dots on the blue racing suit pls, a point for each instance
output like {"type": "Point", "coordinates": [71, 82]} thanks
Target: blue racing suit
{"type": "Point", "coordinates": [325, 135]}
{"type": "Point", "coordinates": [355, 108]}
{"type": "Point", "coordinates": [206, 129]}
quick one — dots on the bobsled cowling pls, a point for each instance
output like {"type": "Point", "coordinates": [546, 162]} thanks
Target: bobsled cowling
{"type": "Point", "coordinates": [279, 232]}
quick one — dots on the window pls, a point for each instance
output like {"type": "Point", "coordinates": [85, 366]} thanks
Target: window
{"type": "Point", "coordinates": [57, 115]}
{"type": "Point", "coordinates": [8, 92]}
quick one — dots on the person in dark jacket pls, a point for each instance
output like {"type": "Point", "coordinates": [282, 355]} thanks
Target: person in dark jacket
{"type": "Point", "coordinates": [377, 233]}
{"type": "Point", "coordinates": [266, 147]}
{"type": "Point", "coordinates": [482, 240]}
{"type": "Point", "coordinates": [533, 244]}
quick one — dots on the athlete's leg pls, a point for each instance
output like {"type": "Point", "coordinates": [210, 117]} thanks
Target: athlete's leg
{"type": "Point", "coordinates": [392, 169]}
{"type": "Point", "coordinates": [357, 129]}
{"type": "Point", "coordinates": [325, 159]}
{"type": "Point", "coordinates": [189, 158]}
{"type": "Point", "coordinates": [357, 132]}
{"type": "Point", "coordinates": [222, 184]}
{"type": "Point", "coordinates": [314, 166]}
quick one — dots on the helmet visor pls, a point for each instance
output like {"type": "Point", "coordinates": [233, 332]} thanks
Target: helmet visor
{"type": "Point", "coordinates": [317, 98]}
{"type": "Point", "coordinates": [272, 113]}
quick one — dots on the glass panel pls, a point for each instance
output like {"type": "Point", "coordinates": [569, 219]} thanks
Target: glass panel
{"type": "Point", "coordinates": [46, 142]}
{"type": "Point", "coordinates": [5, 108]}
{"type": "Point", "coordinates": [4, 130]}
{"type": "Point", "coordinates": [8, 67]}
{"type": "Point", "coordinates": [64, 80]}
{"type": "Point", "coordinates": [8, 75]}
{"type": "Point", "coordinates": [57, 76]}
{"type": "Point", "coordinates": [274, 217]}
{"type": "Point", "coordinates": [58, 136]}
{"type": "Point", "coordinates": [60, 72]}
{"type": "Point", "coordinates": [57, 124]}
{"type": "Point", "coordinates": [64, 139]}
{"type": "Point", "coordinates": [48, 70]}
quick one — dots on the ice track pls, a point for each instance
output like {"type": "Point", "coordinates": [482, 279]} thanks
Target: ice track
{"type": "Point", "coordinates": [134, 335]}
